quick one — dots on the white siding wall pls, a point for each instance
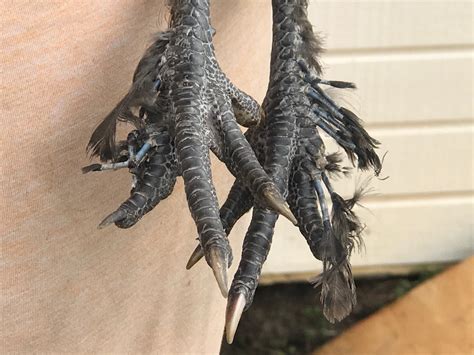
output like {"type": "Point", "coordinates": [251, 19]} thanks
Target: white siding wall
{"type": "Point", "coordinates": [413, 64]}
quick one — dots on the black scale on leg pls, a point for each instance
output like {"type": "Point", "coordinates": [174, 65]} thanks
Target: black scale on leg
{"type": "Point", "coordinates": [186, 106]}
{"type": "Point", "coordinates": [179, 90]}
{"type": "Point", "coordinates": [293, 154]}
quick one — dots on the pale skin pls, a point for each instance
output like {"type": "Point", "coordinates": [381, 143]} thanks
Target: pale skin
{"type": "Point", "coordinates": [68, 287]}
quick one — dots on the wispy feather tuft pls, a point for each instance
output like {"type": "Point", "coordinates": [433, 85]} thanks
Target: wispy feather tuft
{"type": "Point", "coordinates": [141, 94]}
{"type": "Point", "coordinates": [347, 226]}
{"type": "Point", "coordinates": [311, 43]}
{"type": "Point", "coordinates": [364, 144]}
{"type": "Point", "coordinates": [102, 141]}
{"type": "Point", "coordinates": [334, 167]}
{"type": "Point", "coordinates": [338, 294]}
{"type": "Point", "coordinates": [362, 190]}
{"type": "Point", "coordinates": [339, 239]}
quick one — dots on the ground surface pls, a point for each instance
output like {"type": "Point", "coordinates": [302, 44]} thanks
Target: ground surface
{"type": "Point", "coordinates": [287, 318]}
{"type": "Point", "coordinates": [436, 318]}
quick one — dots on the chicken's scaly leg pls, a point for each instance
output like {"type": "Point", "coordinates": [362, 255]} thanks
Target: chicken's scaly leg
{"type": "Point", "coordinates": [294, 155]}
{"type": "Point", "coordinates": [179, 88]}
{"type": "Point", "coordinates": [295, 97]}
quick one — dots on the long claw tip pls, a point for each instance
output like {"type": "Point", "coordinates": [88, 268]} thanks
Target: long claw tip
{"type": "Point", "coordinates": [218, 261]}
{"type": "Point", "coordinates": [288, 214]}
{"type": "Point", "coordinates": [104, 224]}
{"type": "Point", "coordinates": [235, 308]}
{"type": "Point", "coordinates": [276, 202]}
{"type": "Point", "coordinates": [112, 218]}
{"type": "Point", "coordinates": [197, 255]}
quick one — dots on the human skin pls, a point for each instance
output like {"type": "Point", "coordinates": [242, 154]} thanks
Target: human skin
{"type": "Point", "coordinates": [68, 287]}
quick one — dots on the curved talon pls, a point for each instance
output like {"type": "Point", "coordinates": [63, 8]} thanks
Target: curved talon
{"type": "Point", "coordinates": [235, 308]}
{"type": "Point", "coordinates": [112, 218]}
{"type": "Point", "coordinates": [277, 203]}
{"type": "Point", "coordinates": [238, 202]}
{"type": "Point", "coordinates": [218, 260]}
{"type": "Point", "coordinates": [197, 255]}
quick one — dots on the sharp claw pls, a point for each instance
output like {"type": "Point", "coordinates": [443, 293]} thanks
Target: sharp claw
{"type": "Point", "coordinates": [112, 218]}
{"type": "Point", "coordinates": [276, 202]}
{"type": "Point", "coordinates": [197, 254]}
{"type": "Point", "coordinates": [218, 261]}
{"type": "Point", "coordinates": [235, 308]}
